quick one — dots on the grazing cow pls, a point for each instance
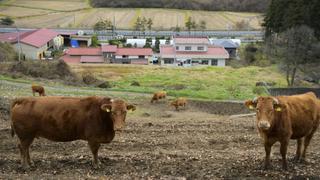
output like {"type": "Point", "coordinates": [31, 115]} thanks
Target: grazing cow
{"type": "Point", "coordinates": [283, 118]}
{"type": "Point", "coordinates": [38, 89]}
{"type": "Point", "coordinates": [179, 102]}
{"type": "Point", "coordinates": [93, 119]}
{"type": "Point", "coordinates": [158, 95]}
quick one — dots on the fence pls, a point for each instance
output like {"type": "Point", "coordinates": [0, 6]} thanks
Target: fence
{"type": "Point", "coordinates": [293, 91]}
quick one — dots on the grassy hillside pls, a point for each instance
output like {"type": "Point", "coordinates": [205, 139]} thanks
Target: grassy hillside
{"type": "Point", "coordinates": [78, 13]}
{"type": "Point", "coordinates": [211, 5]}
{"type": "Point", "coordinates": [204, 83]}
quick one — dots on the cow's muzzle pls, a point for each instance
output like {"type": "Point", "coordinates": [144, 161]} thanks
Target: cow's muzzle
{"type": "Point", "coordinates": [264, 125]}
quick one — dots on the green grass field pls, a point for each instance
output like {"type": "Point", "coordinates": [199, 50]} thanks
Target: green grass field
{"type": "Point", "coordinates": [78, 13]}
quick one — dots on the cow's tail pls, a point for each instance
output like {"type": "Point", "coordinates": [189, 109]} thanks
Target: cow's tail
{"type": "Point", "coordinates": [13, 103]}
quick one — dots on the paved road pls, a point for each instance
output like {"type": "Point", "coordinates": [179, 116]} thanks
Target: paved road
{"type": "Point", "coordinates": [256, 34]}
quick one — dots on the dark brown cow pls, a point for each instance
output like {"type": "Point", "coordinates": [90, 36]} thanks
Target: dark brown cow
{"type": "Point", "coordinates": [179, 102]}
{"type": "Point", "coordinates": [283, 118]}
{"type": "Point", "coordinates": [158, 95]}
{"type": "Point", "coordinates": [94, 119]}
{"type": "Point", "coordinates": [38, 89]}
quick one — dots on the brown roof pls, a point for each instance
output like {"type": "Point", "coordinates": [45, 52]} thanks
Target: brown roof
{"type": "Point", "coordinates": [134, 51]}
{"type": "Point", "coordinates": [109, 48]}
{"type": "Point", "coordinates": [191, 40]}
{"type": "Point", "coordinates": [84, 51]}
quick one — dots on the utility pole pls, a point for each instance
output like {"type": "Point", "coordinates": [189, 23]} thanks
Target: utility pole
{"type": "Point", "coordinates": [19, 45]}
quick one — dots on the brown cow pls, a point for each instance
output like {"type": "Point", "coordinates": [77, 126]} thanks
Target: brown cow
{"type": "Point", "coordinates": [158, 95]}
{"type": "Point", "coordinates": [94, 119]}
{"type": "Point", "coordinates": [283, 118]}
{"type": "Point", "coordinates": [38, 89]}
{"type": "Point", "coordinates": [179, 102]}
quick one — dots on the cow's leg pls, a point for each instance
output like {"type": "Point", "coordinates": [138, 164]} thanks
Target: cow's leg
{"type": "Point", "coordinates": [24, 150]}
{"type": "Point", "coordinates": [94, 147]}
{"type": "Point", "coordinates": [283, 151]}
{"type": "Point", "coordinates": [307, 140]}
{"type": "Point", "coordinates": [267, 147]}
{"type": "Point", "coordinates": [298, 152]}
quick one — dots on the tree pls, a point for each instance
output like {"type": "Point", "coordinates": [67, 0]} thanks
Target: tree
{"type": "Point", "coordinates": [203, 25]}
{"type": "Point", "coordinates": [6, 21]}
{"type": "Point", "coordinates": [294, 48]}
{"type": "Point", "coordinates": [157, 45]}
{"type": "Point", "coordinates": [102, 25]}
{"type": "Point", "coordinates": [95, 41]}
{"type": "Point", "coordinates": [149, 24]}
{"type": "Point", "coordinates": [188, 24]}
{"type": "Point", "coordinates": [282, 15]}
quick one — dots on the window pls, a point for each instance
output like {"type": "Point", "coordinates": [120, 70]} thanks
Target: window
{"type": "Point", "coordinates": [177, 48]}
{"type": "Point", "coordinates": [205, 62]}
{"type": "Point", "coordinates": [124, 56]}
{"type": "Point", "coordinates": [214, 62]}
{"type": "Point", "coordinates": [141, 57]}
{"type": "Point", "coordinates": [200, 48]}
{"type": "Point", "coordinates": [187, 48]}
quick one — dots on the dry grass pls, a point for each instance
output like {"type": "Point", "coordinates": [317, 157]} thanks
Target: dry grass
{"type": "Point", "coordinates": [81, 15]}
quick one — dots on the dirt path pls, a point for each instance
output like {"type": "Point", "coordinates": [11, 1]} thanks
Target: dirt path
{"type": "Point", "coordinates": [161, 143]}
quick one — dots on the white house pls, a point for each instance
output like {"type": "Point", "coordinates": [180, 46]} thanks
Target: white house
{"type": "Point", "coordinates": [192, 51]}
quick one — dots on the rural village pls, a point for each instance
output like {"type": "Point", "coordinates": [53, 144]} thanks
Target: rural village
{"type": "Point", "coordinates": [153, 89]}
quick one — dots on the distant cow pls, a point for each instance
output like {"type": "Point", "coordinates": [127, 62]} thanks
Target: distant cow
{"type": "Point", "coordinates": [283, 118]}
{"type": "Point", "coordinates": [38, 89]}
{"type": "Point", "coordinates": [179, 102]}
{"type": "Point", "coordinates": [94, 119]}
{"type": "Point", "coordinates": [158, 95]}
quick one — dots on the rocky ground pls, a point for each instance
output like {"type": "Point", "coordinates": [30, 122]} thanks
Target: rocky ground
{"type": "Point", "coordinates": [160, 143]}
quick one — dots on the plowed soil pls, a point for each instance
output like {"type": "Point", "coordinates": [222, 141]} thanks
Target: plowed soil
{"type": "Point", "coordinates": [161, 143]}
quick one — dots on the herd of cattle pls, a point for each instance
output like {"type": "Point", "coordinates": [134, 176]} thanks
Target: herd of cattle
{"type": "Point", "coordinates": [96, 119]}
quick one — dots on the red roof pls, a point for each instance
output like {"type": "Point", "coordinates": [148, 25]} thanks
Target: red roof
{"type": "Point", "coordinates": [108, 48]}
{"type": "Point", "coordinates": [39, 37]}
{"type": "Point", "coordinates": [134, 51]}
{"type": "Point", "coordinates": [13, 37]}
{"type": "Point", "coordinates": [84, 51]}
{"type": "Point", "coordinates": [71, 59]}
{"type": "Point", "coordinates": [91, 59]}
{"type": "Point", "coordinates": [191, 40]}
{"type": "Point", "coordinates": [168, 51]}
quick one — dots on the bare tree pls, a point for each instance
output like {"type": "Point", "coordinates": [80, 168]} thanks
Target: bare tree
{"type": "Point", "coordinates": [293, 48]}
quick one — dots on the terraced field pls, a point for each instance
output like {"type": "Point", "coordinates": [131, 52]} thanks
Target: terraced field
{"type": "Point", "coordinates": [78, 13]}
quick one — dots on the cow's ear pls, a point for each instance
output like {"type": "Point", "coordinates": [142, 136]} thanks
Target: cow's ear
{"type": "Point", "coordinates": [250, 104]}
{"type": "Point", "coordinates": [106, 107]}
{"type": "Point", "coordinates": [131, 107]}
{"type": "Point", "coordinates": [278, 107]}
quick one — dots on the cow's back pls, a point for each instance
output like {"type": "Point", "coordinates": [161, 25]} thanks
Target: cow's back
{"type": "Point", "coordinates": [55, 118]}
{"type": "Point", "coordinates": [302, 111]}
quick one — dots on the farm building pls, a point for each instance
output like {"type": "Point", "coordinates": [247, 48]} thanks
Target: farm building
{"type": "Point", "coordinates": [83, 55]}
{"type": "Point", "coordinates": [191, 51]}
{"type": "Point", "coordinates": [133, 56]}
{"type": "Point", "coordinates": [35, 44]}
{"type": "Point", "coordinates": [231, 45]}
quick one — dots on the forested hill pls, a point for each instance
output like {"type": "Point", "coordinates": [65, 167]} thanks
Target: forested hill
{"type": "Point", "coordinates": [211, 5]}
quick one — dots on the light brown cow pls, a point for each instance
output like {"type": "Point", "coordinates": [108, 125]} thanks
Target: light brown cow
{"type": "Point", "coordinates": [38, 89]}
{"type": "Point", "coordinates": [283, 118]}
{"type": "Point", "coordinates": [94, 119]}
{"type": "Point", "coordinates": [181, 101]}
{"type": "Point", "coordinates": [158, 95]}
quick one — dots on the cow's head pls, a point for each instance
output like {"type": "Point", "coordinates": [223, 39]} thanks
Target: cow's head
{"type": "Point", "coordinates": [266, 110]}
{"type": "Point", "coordinates": [118, 111]}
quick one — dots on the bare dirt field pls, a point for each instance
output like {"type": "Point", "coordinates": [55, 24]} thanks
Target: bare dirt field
{"type": "Point", "coordinates": [160, 143]}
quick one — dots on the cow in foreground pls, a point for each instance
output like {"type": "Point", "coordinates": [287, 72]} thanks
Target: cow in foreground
{"type": "Point", "coordinates": [93, 119]}
{"type": "Point", "coordinates": [38, 89]}
{"type": "Point", "coordinates": [158, 95]}
{"type": "Point", "coordinates": [179, 102]}
{"type": "Point", "coordinates": [283, 118]}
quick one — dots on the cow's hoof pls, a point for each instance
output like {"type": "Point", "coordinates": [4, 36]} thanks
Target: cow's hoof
{"type": "Point", "coordinates": [96, 165]}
